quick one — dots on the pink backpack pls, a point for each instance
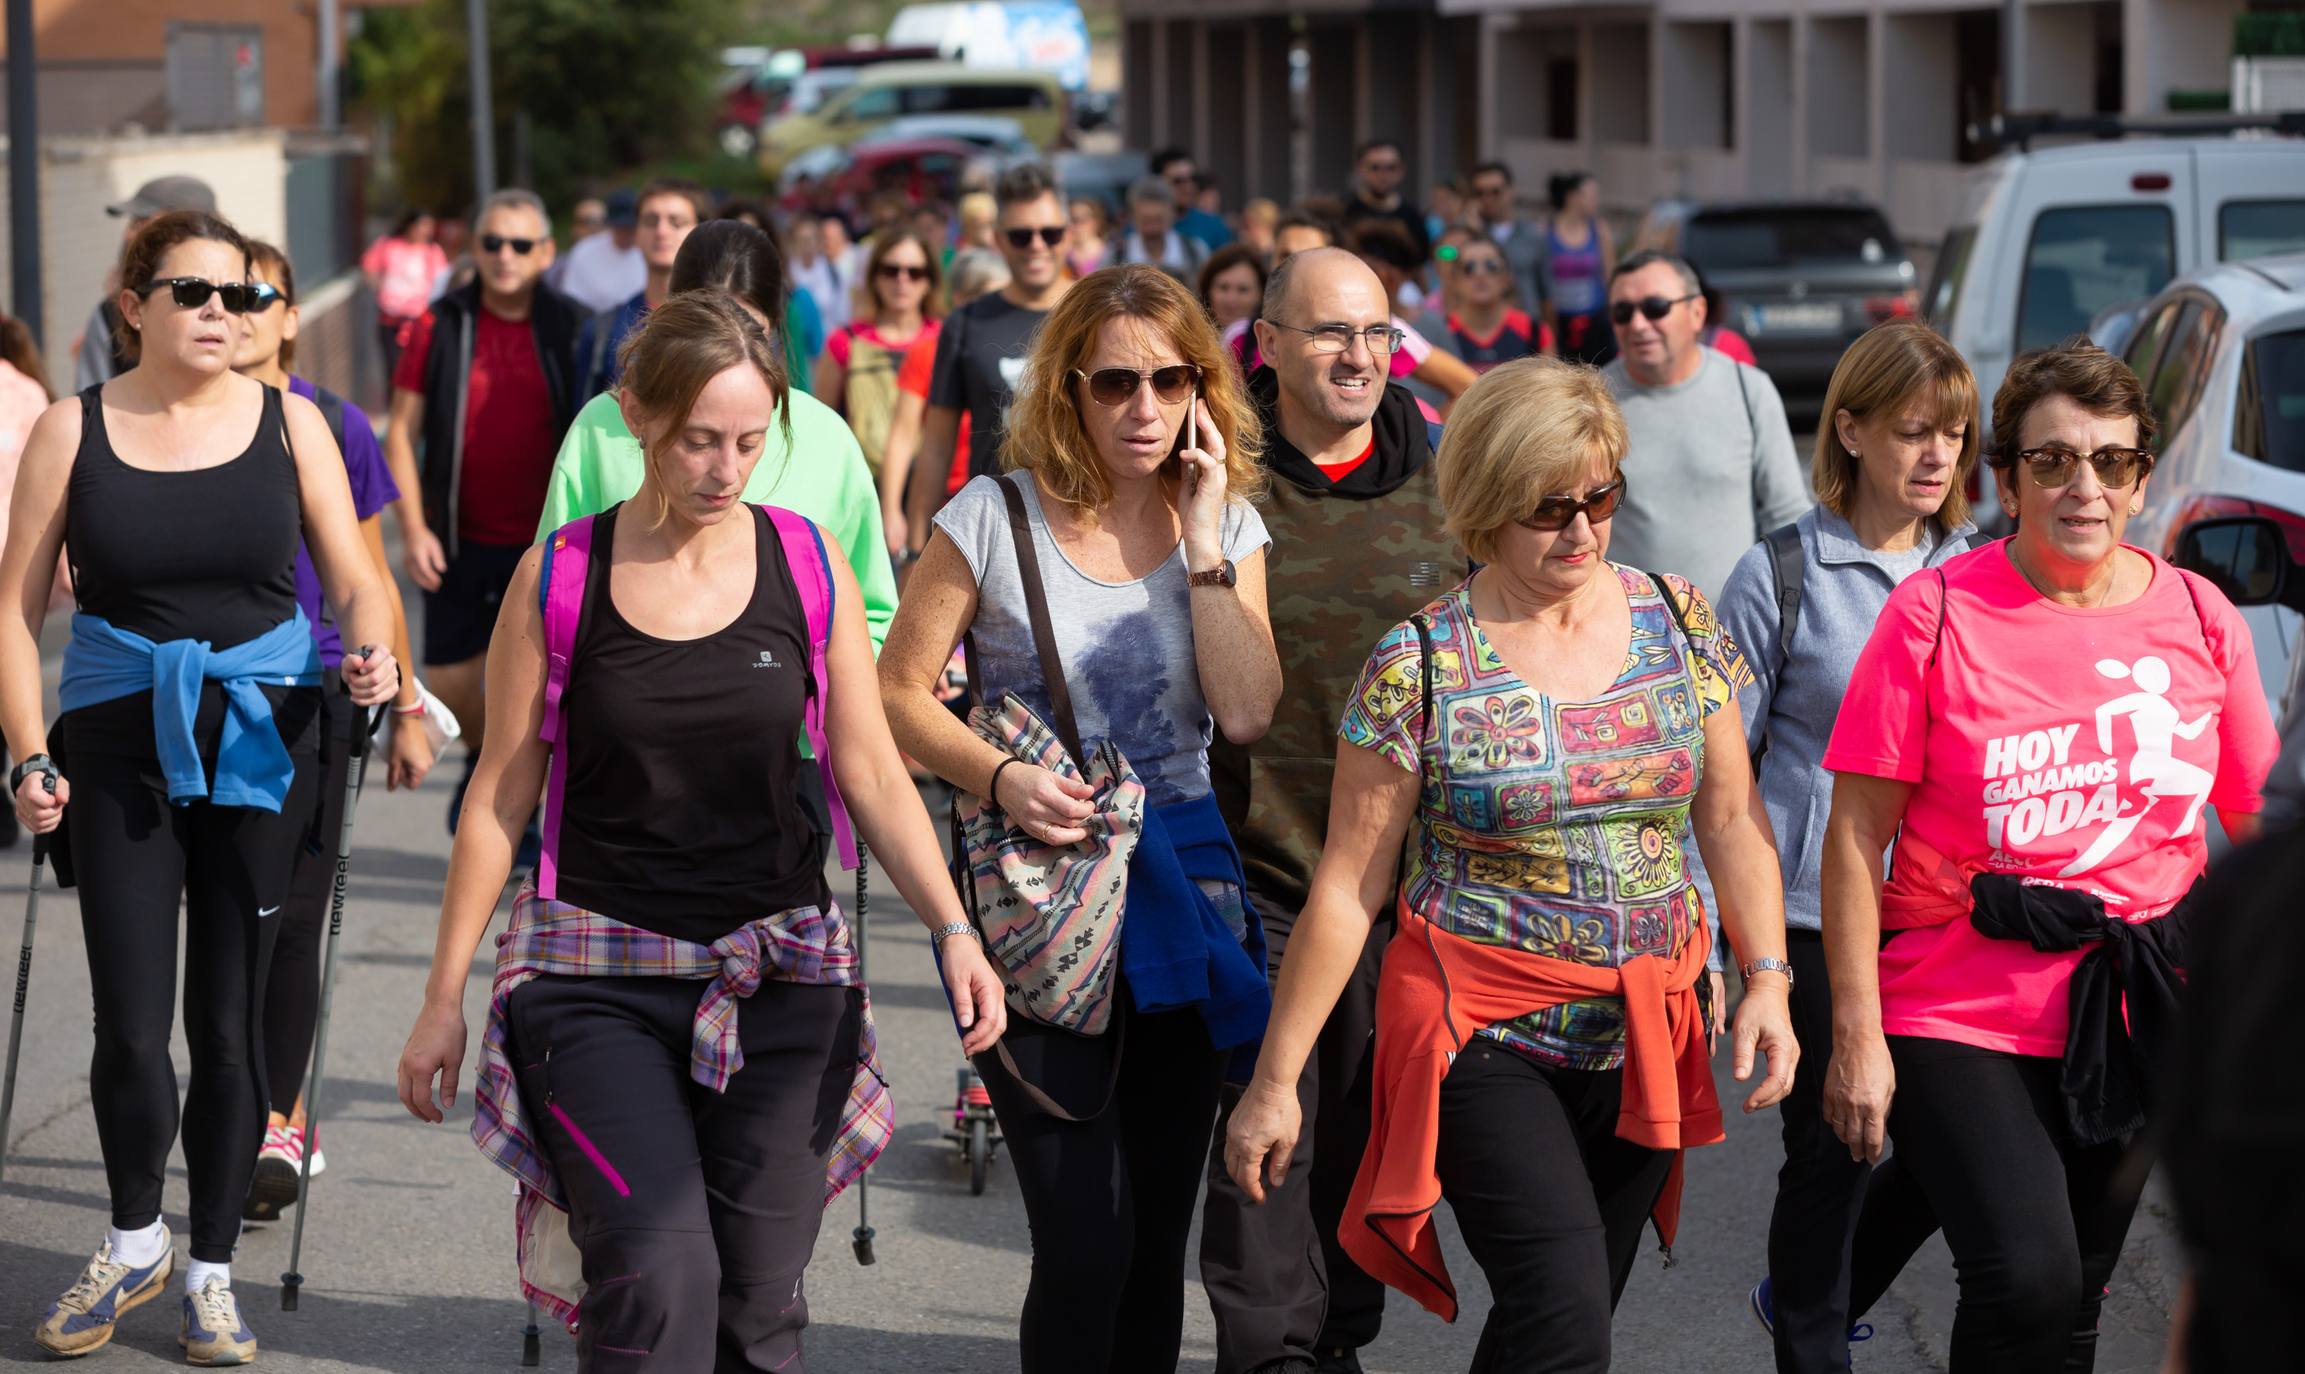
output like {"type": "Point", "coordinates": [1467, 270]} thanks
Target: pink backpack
{"type": "Point", "coordinates": [563, 597]}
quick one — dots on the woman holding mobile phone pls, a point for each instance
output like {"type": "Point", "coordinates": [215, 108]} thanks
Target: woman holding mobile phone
{"type": "Point", "coordinates": [1132, 452]}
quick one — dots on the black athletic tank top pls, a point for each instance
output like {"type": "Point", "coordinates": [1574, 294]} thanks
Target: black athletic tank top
{"type": "Point", "coordinates": [206, 554]}
{"type": "Point", "coordinates": [682, 813]}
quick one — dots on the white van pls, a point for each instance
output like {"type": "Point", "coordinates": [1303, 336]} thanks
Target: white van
{"type": "Point", "coordinates": [1035, 35]}
{"type": "Point", "coordinates": [2047, 238]}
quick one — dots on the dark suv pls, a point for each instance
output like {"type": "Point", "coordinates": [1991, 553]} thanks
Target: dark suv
{"type": "Point", "coordinates": [1799, 279]}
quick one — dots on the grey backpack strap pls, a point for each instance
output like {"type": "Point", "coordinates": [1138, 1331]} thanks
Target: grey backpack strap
{"type": "Point", "coordinates": [1785, 560]}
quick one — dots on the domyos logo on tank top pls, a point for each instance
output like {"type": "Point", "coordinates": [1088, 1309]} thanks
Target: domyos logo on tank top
{"type": "Point", "coordinates": [767, 659]}
{"type": "Point", "coordinates": [2043, 784]}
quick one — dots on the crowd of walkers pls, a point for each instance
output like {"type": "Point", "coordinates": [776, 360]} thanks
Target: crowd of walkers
{"type": "Point", "coordinates": [1389, 668]}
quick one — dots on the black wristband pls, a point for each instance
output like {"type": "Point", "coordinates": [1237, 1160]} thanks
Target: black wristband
{"type": "Point", "coordinates": [38, 763]}
{"type": "Point", "coordinates": [992, 789]}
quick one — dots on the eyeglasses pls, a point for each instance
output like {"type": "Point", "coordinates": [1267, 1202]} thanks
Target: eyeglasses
{"type": "Point", "coordinates": [1050, 236]}
{"type": "Point", "coordinates": [1481, 267]}
{"type": "Point", "coordinates": [2054, 465]}
{"type": "Point", "coordinates": [893, 270]}
{"type": "Point", "coordinates": [1654, 307]}
{"type": "Point", "coordinates": [1117, 386]}
{"type": "Point", "coordinates": [497, 243]}
{"type": "Point", "coordinates": [262, 296]}
{"type": "Point", "coordinates": [1338, 338]}
{"type": "Point", "coordinates": [1557, 513]}
{"type": "Point", "coordinates": [193, 292]}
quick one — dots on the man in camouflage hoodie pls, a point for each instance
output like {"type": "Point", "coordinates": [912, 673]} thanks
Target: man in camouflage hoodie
{"type": "Point", "coordinates": [1357, 547]}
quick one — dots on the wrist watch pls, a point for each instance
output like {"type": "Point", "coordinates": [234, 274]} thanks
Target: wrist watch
{"type": "Point", "coordinates": [1222, 575]}
{"type": "Point", "coordinates": [38, 763]}
{"type": "Point", "coordinates": [1767, 966]}
{"type": "Point", "coordinates": [948, 930]}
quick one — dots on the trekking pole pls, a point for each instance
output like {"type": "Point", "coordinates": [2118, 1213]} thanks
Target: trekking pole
{"type": "Point", "coordinates": [23, 980]}
{"type": "Point", "coordinates": [292, 1282]}
{"type": "Point", "coordinates": [863, 1233]}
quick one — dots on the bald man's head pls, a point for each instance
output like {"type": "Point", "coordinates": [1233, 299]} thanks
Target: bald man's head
{"type": "Point", "coordinates": [1324, 393]}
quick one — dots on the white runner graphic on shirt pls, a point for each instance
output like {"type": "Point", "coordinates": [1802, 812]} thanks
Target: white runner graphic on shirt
{"type": "Point", "coordinates": [2154, 766]}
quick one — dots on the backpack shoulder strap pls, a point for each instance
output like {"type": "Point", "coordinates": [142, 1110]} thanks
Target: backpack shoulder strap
{"type": "Point", "coordinates": [332, 410]}
{"type": "Point", "coordinates": [567, 564]}
{"type": "Point", "coordinates": [1425, 670]}
{"type": "Point", "coordinates": [1786, 560]}
{"type": "Point", "coordinates": [1673, 608]}
{"type": "Point", "coordinates": [804, 553]}
{"type": "Point", "coordinates": [1944, 594]}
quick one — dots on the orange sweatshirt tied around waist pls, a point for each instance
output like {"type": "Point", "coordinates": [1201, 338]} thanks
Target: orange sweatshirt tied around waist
{"type": "Point", "coordinates": [1437, 989]}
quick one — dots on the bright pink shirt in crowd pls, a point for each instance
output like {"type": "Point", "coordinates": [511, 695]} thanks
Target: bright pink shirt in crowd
{"type": "Point", "coordinates": [404, 273]}
{"type": "Point", "coordinates": [2069, 747]}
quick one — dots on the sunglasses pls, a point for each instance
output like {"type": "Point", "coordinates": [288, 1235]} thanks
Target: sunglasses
{"type": "Point", "coordinates": [1049, 235]}
{"type": "Point", "coordinates": [1654, 307]}
{"type": "Point", "coordinates": [894, 270]}
{"type": "Point", "coordinates": [1557, 513]}
{"type": "Point", "coordinates": [262, 296]}
{"type": "Point", "coordinates": [2054, 465]}
{"type": "Point", "coordinates": [1481, 267]}
{"type": "Point", "coordinates": [1117, 386]}
{"type": "Point", "coordinates": [497, 243]}
{"type": "Point", "coordinates": [193, 292]}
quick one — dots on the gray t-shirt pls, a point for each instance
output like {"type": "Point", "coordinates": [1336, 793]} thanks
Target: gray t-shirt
{"type": "Point", "coordinates": [1710, 469]}
{"type": "Point", "coordinates": [1126, 647]}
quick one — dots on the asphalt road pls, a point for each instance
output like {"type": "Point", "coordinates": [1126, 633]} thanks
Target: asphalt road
{"type": "Point", "coordinates": [408, 1258]}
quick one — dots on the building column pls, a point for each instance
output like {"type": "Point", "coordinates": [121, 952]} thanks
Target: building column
{"type": "Point", "coordinates": [1176, 79]}
{"type": "Point", "coordinates": [1140, 59]}
{"type": "Point", "coordinates": [1877, 101]}
{"type": "Point", "coordinates": [1266, 123]}
{"type": "Point", "coordinates": [1221, 134]}
{"type": "Point", "coordinates": [1332, 107]}
{"type": "Point", "coordinates": [1799, 153]}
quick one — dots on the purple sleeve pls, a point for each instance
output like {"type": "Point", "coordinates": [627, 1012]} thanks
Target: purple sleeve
{"type": "Point", "coordinates": [372, 486]}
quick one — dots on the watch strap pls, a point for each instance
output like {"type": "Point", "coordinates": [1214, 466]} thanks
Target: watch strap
{"type": "Point", "coordinates": [1222, 575]}
{"type": "Point", "coordinates": [1766, 966]}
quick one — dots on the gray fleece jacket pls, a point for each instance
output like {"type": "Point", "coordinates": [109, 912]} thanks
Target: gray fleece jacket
{"type": "Point", "coordinates": [1794, 699]}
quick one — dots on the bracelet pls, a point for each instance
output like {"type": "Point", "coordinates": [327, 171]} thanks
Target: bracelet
{"type": "Point", "coordinates": [992, 789]}
{"type": "Point", "coordinates": [416, 710]}
{"type": "Point", "coordinates": [948, 930]}
{"type": "Point", "coordinates": [1767, 966]}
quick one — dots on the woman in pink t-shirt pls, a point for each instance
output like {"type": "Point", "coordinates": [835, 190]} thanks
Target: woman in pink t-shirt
{"type": "Point", "coordinates": [400, 268]}
{"type": "Point", "coordinates": [2039, 726]}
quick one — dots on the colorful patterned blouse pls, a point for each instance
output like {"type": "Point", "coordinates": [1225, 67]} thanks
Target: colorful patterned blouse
{"type": "Point", "coordinates": [1556, 827]}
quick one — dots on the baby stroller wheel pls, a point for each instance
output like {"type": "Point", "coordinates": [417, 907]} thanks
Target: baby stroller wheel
{"type": "Point", "coordinates": [979, 1156]}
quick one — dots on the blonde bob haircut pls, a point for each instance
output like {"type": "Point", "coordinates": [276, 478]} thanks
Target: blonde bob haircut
{"type": "Point", "coordinates": [1894, 369]}
{"type": "Point", "coordinates": [1525, 431]}
{"type": "Point", "coordinates": [1045, 434]}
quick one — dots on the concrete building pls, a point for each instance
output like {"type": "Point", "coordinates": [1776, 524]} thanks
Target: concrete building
{"type": "Point", "coordinates": [1699, 98]}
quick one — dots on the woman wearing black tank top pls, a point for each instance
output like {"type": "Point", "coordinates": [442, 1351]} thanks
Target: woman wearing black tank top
{"type": "Point", "coordinates": [678, 1053]}
{"type": "Point", "coordinates": [191, 703]}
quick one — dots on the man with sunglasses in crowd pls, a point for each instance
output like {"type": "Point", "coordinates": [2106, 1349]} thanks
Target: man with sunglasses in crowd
{"type": "Point", "coordinates": [980, 352]}
{"type": "Point", "coordinates": [669, 208]}
{"type": "Point", "coordinates": [1711, 466]}
{"type": "Point", "coordinates": [1176, 167]}
{"type": "Point", "coordinates": [1357, 547]}
{"type": "Point", "coordinates": [1521, 239]}
{"type": "Point", "coordinates": [486, 386]}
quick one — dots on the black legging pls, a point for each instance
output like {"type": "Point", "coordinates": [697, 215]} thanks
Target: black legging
{"type": "Point", "coordinates": [2035, 1221]}
{"type": "Point", "coordinates": [1110, 1199]}
{"type": "Point", "coordinates": [136, 857]}
{"type": "Point", "coordinates": [1551, 1202]}
{"type": "Point", "coordinates": [292, 989]}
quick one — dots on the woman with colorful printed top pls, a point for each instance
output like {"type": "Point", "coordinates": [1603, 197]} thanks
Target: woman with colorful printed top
{"type": "Point", "coordinates": [679, 1051]}
{"type": "Point", "coordinates": [2040, 726]}
{"type": "Point", "coordinates": [857, 373]}
{"type": "Point", "coordinates": [1555, 730]}
{"type": "Point", "coordinates": [184, 773]}
{"type": "Point", "coordinates": [1888, 472]}
{"type": "Point", "coordinates": [1133, 454]}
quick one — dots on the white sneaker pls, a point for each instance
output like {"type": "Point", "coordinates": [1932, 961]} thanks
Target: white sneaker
{"type": "Point", "coordinates": [213, 1332]}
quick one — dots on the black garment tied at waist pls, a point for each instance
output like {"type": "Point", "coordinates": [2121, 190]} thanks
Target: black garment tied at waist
{"type": "Point", "coordinates": [2125, 993]}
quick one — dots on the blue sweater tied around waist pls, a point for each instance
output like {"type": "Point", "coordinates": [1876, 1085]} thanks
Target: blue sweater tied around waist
{"type": "Point", "coordinates": [104, 663]}
{"type": "Point", "coordinates": [1175, 950]}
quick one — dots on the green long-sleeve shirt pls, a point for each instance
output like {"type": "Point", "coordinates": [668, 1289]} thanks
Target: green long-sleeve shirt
{"type": "Point", "coordinates": [821, 474]}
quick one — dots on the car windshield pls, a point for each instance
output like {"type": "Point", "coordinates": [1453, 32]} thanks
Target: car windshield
{"type": "Point", "coordinates": [1945, 285]}
{"type": "Point", "coordinates": [1716, 239]}
{"type": "Point", "coordinates": [2269, 422]}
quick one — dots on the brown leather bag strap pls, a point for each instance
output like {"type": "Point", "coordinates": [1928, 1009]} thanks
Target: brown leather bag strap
{"type": "Point", "coordinates": [1043, 632]}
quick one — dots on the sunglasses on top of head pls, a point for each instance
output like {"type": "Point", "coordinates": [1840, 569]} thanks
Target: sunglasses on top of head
{"type": "Point", "coordinates": [495, 243]}
{"type": "Point", "coordinates": [237, 298]}
{"type": "Point", "coordinates": [1117, 386]}
{"type": "Point", "coordinates": [1557, 513]}
{"type": "Point", "coordinates": [1653, 307]}
{"type": "Point", "coordinates": [1050, 235]}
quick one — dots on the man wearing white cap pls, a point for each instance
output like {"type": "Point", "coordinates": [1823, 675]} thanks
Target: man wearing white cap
{"type": "Point", "coordinates": [99, 359]}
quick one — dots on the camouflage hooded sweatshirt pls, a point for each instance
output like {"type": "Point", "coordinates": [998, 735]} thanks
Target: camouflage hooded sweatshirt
{"type": "Point", "coordinates": [1350, 559]}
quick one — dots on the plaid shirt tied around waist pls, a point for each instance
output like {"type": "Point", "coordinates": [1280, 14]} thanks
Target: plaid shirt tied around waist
{"type": "Point", "coordinates": [802, 945]}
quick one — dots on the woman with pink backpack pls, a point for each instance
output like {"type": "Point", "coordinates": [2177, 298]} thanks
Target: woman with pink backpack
{"type": "Point", "coordinates": [678, 1065]}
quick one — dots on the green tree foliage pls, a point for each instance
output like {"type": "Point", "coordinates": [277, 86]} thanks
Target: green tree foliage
{"type": "Point", "coordinates": [608, 86]}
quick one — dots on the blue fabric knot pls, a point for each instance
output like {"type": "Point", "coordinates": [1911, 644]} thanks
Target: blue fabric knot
{"type": "Point", "coordinates": [104, 663]}
{"type": "Point", "coordinates": [1175, 950]}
